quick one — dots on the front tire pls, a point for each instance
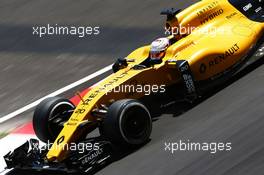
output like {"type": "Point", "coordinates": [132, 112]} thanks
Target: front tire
{"type": "Point", "coordinates": [127, 122]}
{"type": "Point", "coordinates": [49, 116]}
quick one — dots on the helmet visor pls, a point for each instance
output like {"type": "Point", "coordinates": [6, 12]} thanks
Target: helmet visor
{"type": "Point", "coordinates": [158, 55]}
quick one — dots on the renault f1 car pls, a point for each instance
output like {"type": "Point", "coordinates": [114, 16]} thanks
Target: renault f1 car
{"type": "Point", "coordinates": [197, 61]}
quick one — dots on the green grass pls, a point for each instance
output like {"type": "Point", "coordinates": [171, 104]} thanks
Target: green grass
{"type": "Point", "coordinates": [3, 134]}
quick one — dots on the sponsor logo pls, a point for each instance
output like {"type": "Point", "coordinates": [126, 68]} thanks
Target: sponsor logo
{"type": "Point", "coordinates": [207, 8]}
{"type": "Point", "coordinates": [247, 7]}
{"type": "Point", "coordinates": [228, 53]}
{"type": "Point", "coordinates": [92, 156]}
{"type": "Point", "coordinates": [231, 15]}
{"type": "Point", "coordinates": [187, 77]}
{"type": "Point", "coordinates": [103, 88]}
{"type": "Point", "coordinates": [212, 16]}
{"type": "Point", "coordinates": [188, 80]}
{"type": "Point", "coordinates": [258, 9]}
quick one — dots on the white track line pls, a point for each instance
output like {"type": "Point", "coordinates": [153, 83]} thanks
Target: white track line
{"type": "Point", "coordinates": [5, 171]}
{"type": "Point", "coordinates": [60, 91]}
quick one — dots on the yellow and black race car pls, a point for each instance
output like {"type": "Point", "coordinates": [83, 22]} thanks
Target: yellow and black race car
{"type": "Point", "coordinates": [209, 42]}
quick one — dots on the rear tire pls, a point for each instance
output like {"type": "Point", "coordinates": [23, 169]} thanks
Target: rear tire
{"type": "Point", "coordinates": [127, 122]}
{"type": "Point", "coordinates": [49, 116]}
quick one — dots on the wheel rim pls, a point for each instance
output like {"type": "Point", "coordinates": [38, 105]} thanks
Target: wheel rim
{"type": "Point", "coordinates": [136, 124]}
{"type": "Point", "coordinates": [58, 115]}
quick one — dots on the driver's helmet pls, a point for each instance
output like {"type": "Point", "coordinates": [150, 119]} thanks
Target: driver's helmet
{"type": "Point", "coordinates": [158, 48]}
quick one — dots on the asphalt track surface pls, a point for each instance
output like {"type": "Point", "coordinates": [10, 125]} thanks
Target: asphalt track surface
{"type": "Point", "coordinates": [32, 67]}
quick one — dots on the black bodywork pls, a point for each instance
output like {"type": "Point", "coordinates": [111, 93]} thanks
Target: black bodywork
{"type": "Point", "coordinates": [253, 9]}
{"type": "Point", "coordinates": [30, 156]}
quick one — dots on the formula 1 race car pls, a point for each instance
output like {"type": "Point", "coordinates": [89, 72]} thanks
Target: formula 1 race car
{"type": "Point", "coordinates": [192, 61]}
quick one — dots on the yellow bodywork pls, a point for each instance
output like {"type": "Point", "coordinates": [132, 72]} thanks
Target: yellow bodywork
{"type": "Point", "coordinates": [208, 54]}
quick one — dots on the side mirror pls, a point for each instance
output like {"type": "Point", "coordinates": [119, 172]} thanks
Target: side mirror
{"type": "Point", "coordinates": [122, 62]}
{"type": "Point", "coordinates": [171, 20]}
{"type": "Point", "coordinates": [170, 13]}
{"type": "Point", "coordinates": [119, 64]}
